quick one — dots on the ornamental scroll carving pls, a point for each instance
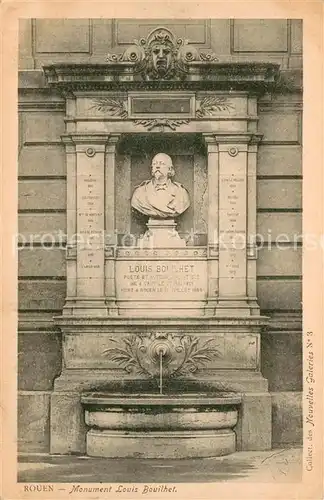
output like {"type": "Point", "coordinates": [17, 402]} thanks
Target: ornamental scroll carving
{"type": "Point", "coordinates": [161, 56]}
{"type": "Point", "coordinates": [181, 355]}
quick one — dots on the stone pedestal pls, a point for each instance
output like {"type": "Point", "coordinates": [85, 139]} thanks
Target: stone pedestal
{"type": "Point", "coordinates": [161, 233]}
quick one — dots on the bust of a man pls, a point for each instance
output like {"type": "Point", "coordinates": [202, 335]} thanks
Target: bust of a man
{"type": "Point", "coordinates": [161, 197]}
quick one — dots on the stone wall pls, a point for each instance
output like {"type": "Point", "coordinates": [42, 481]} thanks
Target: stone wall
{"type": "Point", "coordinates": [42, 200]}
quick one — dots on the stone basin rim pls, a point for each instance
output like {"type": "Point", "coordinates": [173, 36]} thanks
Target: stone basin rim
{"type": "Point", "coordinates": [147, 399]}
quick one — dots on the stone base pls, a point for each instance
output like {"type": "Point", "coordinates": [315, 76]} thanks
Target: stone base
{"type": "Point", "coordinates": [33, 421]}
{"type": "Point", "coordinates": [167, 444]}
{"type": "Point", "coordinates": [68, 429]}
{"type": "Point", "coordinates": [253, 429]}
{"type": "Point", "coordinates": [87, 367]}
{"type": "Point", "coordinates": [85, 306]}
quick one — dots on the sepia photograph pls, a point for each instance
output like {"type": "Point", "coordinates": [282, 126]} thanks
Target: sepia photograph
{"type": "Point", "coordinates": [159, 247]}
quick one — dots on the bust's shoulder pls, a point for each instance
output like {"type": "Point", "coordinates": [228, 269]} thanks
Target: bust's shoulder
{"type": "Point", "coordinates": [178, 185]}
{"type": "Point", "coordinates": [144, 183]}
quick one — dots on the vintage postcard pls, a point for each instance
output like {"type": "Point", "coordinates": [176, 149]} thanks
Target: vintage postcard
{"type": "Point", "coordinates": [162, 250]}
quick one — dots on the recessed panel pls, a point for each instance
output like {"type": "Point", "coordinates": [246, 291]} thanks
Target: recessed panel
{"type": "Point", "coordinates": [128, 30]}
{"type": "Point", "coordinates": [62, 35]}
{"type": "Point", "coordinates": [50, 194]}
{"type": "Point", "coordinates": [280, 127]}
{"type": "Point", "coordinates": [260, 35]}
{"type": "Point", "coordinates": [279, 194]}
{"type": "Point", "coordinates": [279, 160]}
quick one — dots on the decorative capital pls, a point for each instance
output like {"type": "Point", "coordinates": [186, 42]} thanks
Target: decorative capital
{"type": "Point", "coordinates": [161, 56]}
{"type": "Point", "coordinates": [71, 252]}
{"type": "Point", "coordinates": [211, 143]}
{"type": "Point", "coordinates": [112, 142]}
{"type": "Point", "coordinates": [110, 252]}
{"type": "Point", "coordinates": [252, 252]}
{"type": "Point", "coordinates": [213, 252]}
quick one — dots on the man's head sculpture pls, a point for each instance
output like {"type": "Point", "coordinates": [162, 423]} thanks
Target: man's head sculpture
{"type": "Point", "coordinates": [162, 166]}
{"type": "Point", "coordinates": [160, 197]}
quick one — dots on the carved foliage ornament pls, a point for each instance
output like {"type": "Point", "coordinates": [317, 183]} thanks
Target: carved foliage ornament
{"type": "Point", "coordinates": [161, 56]}
{"type": "Point", "coordinates": [208, 106]}
{"type": "Point", "coordinates": [114, 107]}
{"type": "Point", "coordinates": [181, 355]}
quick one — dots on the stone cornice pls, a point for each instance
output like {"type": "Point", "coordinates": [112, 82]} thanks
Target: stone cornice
{"type": "Point", "coordinates": [257, 77]}
{"type": "Point", "coordinates": [122, 321]}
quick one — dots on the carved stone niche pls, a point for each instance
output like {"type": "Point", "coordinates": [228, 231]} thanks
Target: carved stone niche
{"type": "Point", "coordinates": [161, 89]}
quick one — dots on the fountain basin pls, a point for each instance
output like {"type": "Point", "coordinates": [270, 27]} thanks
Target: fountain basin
{"type": "Point", "coordinates": [155, 426]}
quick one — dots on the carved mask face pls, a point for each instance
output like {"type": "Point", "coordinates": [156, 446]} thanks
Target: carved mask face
{"type": "Point", "coordinates": [161, 57]}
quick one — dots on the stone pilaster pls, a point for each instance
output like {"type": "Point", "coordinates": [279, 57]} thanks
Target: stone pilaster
{"type": "Point", "coordinates": [212, 222]}
{"type": "Point", "coordinates": [86, 224]}
{"type": "Point", "coordinates": [231, 224]}
{"type": "Point", "coordinates": [110, 222]}
{"type": "Point", "coordinates": [71, 227]}
{"type": "Point", "coordinates": [252, 223]}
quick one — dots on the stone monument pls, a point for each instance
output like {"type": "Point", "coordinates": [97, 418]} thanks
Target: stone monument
{"type": "Point", "coordinates": [124, 297]}
{"type": "Point", "coordinates": [162, 200]}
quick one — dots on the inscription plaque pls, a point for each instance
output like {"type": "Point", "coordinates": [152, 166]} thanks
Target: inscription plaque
{"type": "Point", "coordinates": [90, 221]}
{"type": "Point", "coordinates": [158, 105]}
{"type": "Point", "coordinates": [161, 280]}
